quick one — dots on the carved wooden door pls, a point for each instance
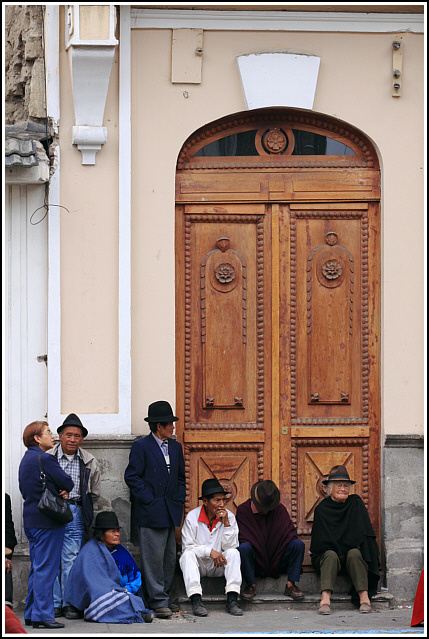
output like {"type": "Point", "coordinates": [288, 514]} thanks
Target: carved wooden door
{"type": "Point", "coordinates": [277, 308]}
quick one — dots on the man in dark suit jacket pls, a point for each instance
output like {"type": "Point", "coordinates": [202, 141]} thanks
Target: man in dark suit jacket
{"type": "Point", "coordinates": [155, 476]}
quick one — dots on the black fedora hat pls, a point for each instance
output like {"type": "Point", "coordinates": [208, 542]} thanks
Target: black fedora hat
{"type": "Point", "coordinates": [106, 520]}
{"type": "Point", "coordinates": [211, 487]}
{"type": "Point", "coordinates": [72, 420]}
{"type": "Point", "coordinates": [265, 495]}
{"type": "Point", "coordinates": [160, 413]}
{"type": "Point", "coordinates": [338, 473]}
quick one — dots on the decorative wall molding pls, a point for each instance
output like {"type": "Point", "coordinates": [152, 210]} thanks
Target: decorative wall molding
{"type": "Point", "coordinates": [91, 44]}
{"type": "Point", "coordinates": [404, 441]}
{"type": "Point", "coordinates": [277, 21]}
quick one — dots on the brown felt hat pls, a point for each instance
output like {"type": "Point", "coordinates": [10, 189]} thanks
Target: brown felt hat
{"type": "Point", "coordinates": [338, 473]}
{"type": "Point", "coordinates": [265, 495]}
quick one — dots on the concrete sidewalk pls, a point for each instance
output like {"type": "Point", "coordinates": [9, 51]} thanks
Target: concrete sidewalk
{"type": "Point", "coordinates": [281, 621]}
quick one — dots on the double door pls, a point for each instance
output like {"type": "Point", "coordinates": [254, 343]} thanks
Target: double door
{"type": "Point", "coordinates": [278, 340]}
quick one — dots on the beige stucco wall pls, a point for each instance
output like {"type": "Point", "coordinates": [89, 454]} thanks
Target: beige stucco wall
{"type": "Point", "coordinates": [89, 258]}
{"type": "Point", "coordinates": [354, 85]}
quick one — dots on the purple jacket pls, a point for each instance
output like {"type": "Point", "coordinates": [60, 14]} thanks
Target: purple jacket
{"type": "Point", "coordinates": [31, 487]}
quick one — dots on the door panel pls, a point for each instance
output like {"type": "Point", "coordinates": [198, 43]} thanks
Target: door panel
{"type": "Point", "coordinates": [226, 429]}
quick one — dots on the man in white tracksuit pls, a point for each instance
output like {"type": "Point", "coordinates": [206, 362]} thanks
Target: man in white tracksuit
{"type": "Point", "coordinates": [209, 548]}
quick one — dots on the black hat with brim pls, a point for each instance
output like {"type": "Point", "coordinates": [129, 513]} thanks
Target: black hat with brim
{"type": "Point", "coordinates": [212, 487]}
{"type": "Point", "coordinates": [106, 520]}
{"type": "Point", "coordinates": [338, 473]}
{"type": "Point", "coordinates": [160, 413]}
{"type": "Point", "coordinates": [72, 420]}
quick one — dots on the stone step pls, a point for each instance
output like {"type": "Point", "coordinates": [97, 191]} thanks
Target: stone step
{"type": "Point", "coordinates": [309, 582]}
{"type": "Point", "coordinates": [269, 594]}
{"type": "Point", "coordinates": [272, 601]}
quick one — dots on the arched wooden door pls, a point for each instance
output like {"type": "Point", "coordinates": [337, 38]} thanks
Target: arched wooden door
{"type": "Point", "coordinates": [278, 307]}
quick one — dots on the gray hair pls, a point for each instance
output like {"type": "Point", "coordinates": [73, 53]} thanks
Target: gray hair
{"type": "Point", "coordinates": [330, 485]}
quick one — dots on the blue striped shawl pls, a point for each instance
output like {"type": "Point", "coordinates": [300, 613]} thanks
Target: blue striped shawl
{"type": "Point", "coordinates": [94, 587]}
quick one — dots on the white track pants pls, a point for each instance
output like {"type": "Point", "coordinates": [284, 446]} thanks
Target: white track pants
{"type": "Point", "coordinates": [193, 568]}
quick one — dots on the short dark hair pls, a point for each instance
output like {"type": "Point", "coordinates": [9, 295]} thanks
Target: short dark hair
{"type": "Point", "coordinates": [97, 534]}
{"type": "Point", "coordinates": [153, 426]}
{"type": "Point", "coordinates": [30, 431]}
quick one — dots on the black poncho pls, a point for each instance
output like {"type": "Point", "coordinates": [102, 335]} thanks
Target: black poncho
{"type": "Point", "coordinates": [341, 527]}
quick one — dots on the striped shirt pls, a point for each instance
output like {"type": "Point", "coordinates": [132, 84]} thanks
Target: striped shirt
{"type": "Point", "coordinates": [163, 444]}
{"type": "Point", "coordinates": [70, 465]}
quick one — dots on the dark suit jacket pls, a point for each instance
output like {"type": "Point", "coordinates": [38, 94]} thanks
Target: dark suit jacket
{"type": "Point", "coordinates": [159, 495]}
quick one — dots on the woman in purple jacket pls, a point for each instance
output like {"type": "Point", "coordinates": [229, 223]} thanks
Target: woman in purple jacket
{"type": "Point", "coordinates": [44, 534]}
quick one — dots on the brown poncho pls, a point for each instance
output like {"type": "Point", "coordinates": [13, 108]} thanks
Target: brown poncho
{"type": "Point", "coordinates": [343, 526]}
{"type": "Point", "coordinates": [269, 534]}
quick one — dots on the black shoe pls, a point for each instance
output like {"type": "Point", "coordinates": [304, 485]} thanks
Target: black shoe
{"type": "Point", "coordinates": [148, 617]}
{"type": "Point", "coordinates": [174, 607]}
{"type": "Point", "coordinates": [28, 622]}
{"type": "Point", "coordinates": [232, 605]}
{"type": "Point", "coordinates": [197, 606]}
{"type": "Point", "coordinates": [70, 612]}
{"type": "Point", "coordinates": [58, 612]}
{"type": "Point", "coordinates": [51, 625]}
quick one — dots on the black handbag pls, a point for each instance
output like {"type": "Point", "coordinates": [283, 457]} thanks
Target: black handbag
{"type": "Point", "coordinates": [53, 506]}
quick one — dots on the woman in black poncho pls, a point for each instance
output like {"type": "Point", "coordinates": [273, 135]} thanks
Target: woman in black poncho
{"type": "Point", "coordinates": [343, 540]}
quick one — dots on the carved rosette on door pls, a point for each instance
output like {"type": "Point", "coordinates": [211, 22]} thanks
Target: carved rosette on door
{"type": "Point", "coordinates": [223, 326]}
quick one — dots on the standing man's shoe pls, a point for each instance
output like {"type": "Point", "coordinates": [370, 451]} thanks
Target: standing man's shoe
{"type": "Point", "coordinates": [58, 612]}
{"type": "Point", "coordinates": [163, 613]}
{"type": "Point", "coordinates": [197, 606]}
{"type": "Point", "coordinates": [232, 605]}
{"type": "Point", "coordinates": [70, 612]}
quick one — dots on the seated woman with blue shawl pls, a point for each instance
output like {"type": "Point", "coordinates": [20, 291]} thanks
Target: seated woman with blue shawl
{"type": "Point", "coordinates": [104, 578]}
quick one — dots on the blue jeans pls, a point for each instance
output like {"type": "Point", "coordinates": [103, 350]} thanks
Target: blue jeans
{"type": "Point", "coordinates": [290, 561]}
{"type": "Point", "coordinates": [73, 541]}
{"type": "Point", "coordinates": [45, 553]}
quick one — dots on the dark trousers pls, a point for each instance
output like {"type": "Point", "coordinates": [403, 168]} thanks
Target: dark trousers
{"type": "Point", "coordinates": [329, 565]}
{"type": "Point", "coordinates": [8, 589]}
{"type": "Point", "coordinates": [45, 555]}
{"type": "Point", "coordinates": [290, 562]}
{"type": "Point", "coordinates": [158, 558]}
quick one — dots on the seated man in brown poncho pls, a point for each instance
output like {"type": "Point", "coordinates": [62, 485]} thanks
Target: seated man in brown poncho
{"type": "Point", "coordinates": [343, 541]}
{"type": "Point", "coordinates": [269, 544]}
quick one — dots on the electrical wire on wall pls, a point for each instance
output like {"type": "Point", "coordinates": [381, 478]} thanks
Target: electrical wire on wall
{"type": "Point", "coordinates": [45, 204]}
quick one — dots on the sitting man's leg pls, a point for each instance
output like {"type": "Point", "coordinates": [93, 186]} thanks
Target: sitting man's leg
{"type": "Point", "coordinates": [329, 566]}
{"type": "Point", "coordinates": [247, 557]}
{"type": "Point", "coordinates": [290, 564]}
{"type": "Point", "coordinates": [357, 568]}
{"type": "Point", "coordinates": [232, 573]}
{"type": "Point", "coordinates": [193, 569]}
